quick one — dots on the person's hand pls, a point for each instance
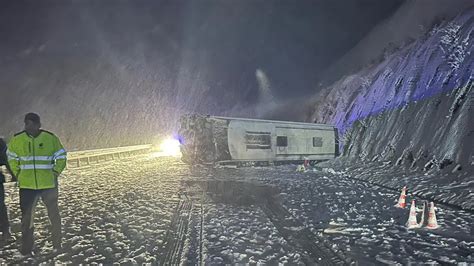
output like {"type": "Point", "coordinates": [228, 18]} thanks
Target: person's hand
{"type": "Point", "coordinates": [56, 179]}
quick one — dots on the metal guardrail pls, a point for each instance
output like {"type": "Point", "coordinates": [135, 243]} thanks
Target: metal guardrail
{"type": "Point", "coordinates": [81, 158]}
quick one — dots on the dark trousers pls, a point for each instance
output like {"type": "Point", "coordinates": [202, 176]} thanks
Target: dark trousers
{"type": "Point", "coordinates": [28, 200]}
{"type": "Point", "coordinates": [4, 224]}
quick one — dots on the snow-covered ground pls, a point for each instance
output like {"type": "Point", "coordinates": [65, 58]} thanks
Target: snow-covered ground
{"type": "Point", "coordinates": [361, 218]}
{"type": "Point", "coordinates": [451, 188]}
{"type": "Point", "coordinates": [116, 212]}
{"type": "Point", "coordinates": [244, 235]}
{"type": "Point", "coordinates": [126, 211]}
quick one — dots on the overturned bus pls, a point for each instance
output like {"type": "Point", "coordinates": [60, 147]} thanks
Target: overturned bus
{"type": "Point", "coordinates": [214, 139]}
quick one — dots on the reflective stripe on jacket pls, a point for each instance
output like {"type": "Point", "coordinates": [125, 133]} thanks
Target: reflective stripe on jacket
{"type": "Point", "coordinates": [36, 161]}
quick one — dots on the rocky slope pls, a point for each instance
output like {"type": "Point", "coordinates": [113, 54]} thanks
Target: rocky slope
{"type": "Point", "coordinates": [415, 107]}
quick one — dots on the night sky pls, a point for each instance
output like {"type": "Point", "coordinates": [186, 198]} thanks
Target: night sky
{"type": "Point", "coordinates": [197, 56]}
{"type": "Point", "coordinates": [292, 41]}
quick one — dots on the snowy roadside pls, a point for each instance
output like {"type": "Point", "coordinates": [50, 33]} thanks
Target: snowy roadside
{"type": "Point", "coordinates": [456, 190]}
{"type": "Point", "coordinates": [360, 218]}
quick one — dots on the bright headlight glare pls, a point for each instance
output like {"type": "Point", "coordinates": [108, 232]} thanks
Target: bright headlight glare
{"type": "Point", "coordinates": [170, 147]}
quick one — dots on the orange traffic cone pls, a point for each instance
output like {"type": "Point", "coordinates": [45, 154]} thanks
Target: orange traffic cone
{"type": "Point", "coordinates": [432, 223]}
{"type": "Point", "coordinates": [306, 162]}
{"type": "Point", "coordinates": [412, 222]}
{"type": "Point", "coordinates": [401, 200]}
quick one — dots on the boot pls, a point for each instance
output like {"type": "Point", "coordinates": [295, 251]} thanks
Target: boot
{"type": "Point", "coordinates": [57, 247]}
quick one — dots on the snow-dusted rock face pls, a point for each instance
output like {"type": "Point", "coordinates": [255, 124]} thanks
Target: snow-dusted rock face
{"type": "Point", "coordinates": [413, 108]}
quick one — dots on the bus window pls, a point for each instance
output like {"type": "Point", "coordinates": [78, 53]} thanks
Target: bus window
{"type": "Point", "coordinates": [282, 141]}
{"type": "Point", "coordinates": [317, 142]}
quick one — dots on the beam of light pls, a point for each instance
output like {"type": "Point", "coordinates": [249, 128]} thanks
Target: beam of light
{"type": "Point", "coordinates": [264, 86]}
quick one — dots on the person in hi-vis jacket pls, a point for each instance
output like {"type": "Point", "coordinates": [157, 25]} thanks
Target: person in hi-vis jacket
{"type": "Point", "coordinates": [37, 158]}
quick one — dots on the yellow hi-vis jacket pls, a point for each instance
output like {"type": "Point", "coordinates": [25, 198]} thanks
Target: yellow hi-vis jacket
{"type": "Point", "coordinates": [36, 162]}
